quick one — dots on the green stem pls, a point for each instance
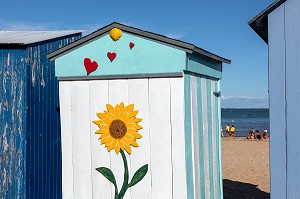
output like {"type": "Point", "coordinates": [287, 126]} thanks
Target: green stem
{"type": "Point", "coordinates": [126, 176]}
{"type": "Point", "coordinates": [116, 192]}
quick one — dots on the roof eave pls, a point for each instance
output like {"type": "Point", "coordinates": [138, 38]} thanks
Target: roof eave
{"type": "Point", "coordinates": [259, 23]}
{"type": "Point", "coordinates": [189, 48]}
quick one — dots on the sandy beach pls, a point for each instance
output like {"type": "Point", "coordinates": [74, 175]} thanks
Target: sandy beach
{"type": "Point", "coordinates": [246, 169]}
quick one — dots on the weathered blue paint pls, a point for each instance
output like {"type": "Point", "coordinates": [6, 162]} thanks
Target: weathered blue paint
{"type": "Point", "coordinates": [203, 65]}
{"type": "Point", "coordinates": [188, 138]}
{"type": "Point", "coordinates": [30, 124]}
{"type": "Point", "coordinates": [145, 57]}
{"type": "Point", "coordinates": [209, 119]}
{"type": "Point", "coordinates": [12, 123]}
{"type": "Point", "coordinates": [201, 144]}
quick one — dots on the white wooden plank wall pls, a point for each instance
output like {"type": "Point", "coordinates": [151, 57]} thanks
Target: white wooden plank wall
{"type": "Point", "coordinates": [66, 139]}
{"type": "Point", "coordinates": [100, 156]}
{"type": "Point", "coordinates": [81, 139]}
{"type": "Point", "coordinates": [160, 137]}
{"type": "Point", "coordinates": [118, 92]}
{"type": "Point", "coordinates": [162, 144]}
{"type": "Point", "coordinates": [178, 139]}
{"type": "Point", "coordinates": [139, 96]}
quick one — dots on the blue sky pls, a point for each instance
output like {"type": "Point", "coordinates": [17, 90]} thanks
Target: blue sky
{"type": "Point", "coordinates": [217, 26]}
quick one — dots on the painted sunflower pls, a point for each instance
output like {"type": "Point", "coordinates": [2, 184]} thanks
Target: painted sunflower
{"type": "Point", "coordinates": [119, 127]}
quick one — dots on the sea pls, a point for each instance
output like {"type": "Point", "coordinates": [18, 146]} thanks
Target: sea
{"type": "Point", "coordinates": [245, 119]}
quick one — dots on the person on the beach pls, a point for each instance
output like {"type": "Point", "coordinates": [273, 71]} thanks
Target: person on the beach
{"type": "Point", "coordinates": [265, 134]}
{"type": "Point", "coordinates": [257, 135]}
{"type": "Point", "coordinates": [232, 129]}
{"type": "Point", "coordinates": [228, 130]}
{"type": "Point", "coordinates": [249, 134]}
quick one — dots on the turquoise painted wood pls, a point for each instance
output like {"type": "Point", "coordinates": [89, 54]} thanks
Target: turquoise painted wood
{"type": "Point", "coordinates": [188, 139]}
{"type": "Point", "coordinates": [203, 65]}
{"type": "Point", "coordinates": [204, 178]}
{"type": "Point", "coordinates": [146, 57]}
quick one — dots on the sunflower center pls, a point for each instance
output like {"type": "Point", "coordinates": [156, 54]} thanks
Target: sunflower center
{"type": "Point", "coordinates": [117, 129]}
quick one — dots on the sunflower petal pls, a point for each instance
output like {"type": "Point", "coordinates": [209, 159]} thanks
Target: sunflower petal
{"type": "Point", "coordinates": [138, 127]}
{"type": "Point", "coordinates": [136, 135]}
{"type": "Point", "coordinates": [136, 120]}
{"type": "Point", "coordinates": [110, 108]}
{"type": "Point", "coordinates": [134, 143]}
{"type": "Point", "coordinates": [129, 108]}
{"type": "Point", "coordinates": [128, 149]}
{"type": "Point", "coordinates": [101, 115]}
{"type": "Point", "coordinates": [117, 149]}
{"type": "Point", "coordinates": [121, 105]}
{"type": "Point", "coordinates": [133, 114]}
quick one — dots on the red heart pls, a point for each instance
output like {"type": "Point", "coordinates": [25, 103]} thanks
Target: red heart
{"type": "Point", "coordinates": [111, 56]}
{"type": "Point", "coordinates": [89, 65]}
{"type": "Point", "coordinates": [131, 45]}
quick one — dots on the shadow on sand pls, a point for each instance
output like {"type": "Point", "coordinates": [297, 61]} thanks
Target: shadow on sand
{"type": "Point", "coordinates": [238, 190]}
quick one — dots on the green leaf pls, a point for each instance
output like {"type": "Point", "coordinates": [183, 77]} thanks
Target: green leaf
{"type": "Point", "coordinates": [108, 174]}
{"type": "Point", "coordinates": [139, 175]}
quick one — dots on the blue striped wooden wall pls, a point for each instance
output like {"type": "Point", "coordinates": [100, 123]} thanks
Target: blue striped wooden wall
{"type": "Point", "coordinates": [202, 132]}
{"type": "Point", "coordinates": [30, 157]}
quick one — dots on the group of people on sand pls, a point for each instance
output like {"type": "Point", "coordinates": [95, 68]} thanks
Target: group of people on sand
{"type": "Point", "coordinates": [230, 130]}
{"type": "Point", "coordinates": [252, 134]}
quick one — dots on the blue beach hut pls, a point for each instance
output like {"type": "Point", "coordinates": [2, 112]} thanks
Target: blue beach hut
{"type": "Point", "coordinates": [174, 85]}
{"type": "Point", "coordinates": [30, 147]}
{"type": "Point", "coordinates": [278, 25]}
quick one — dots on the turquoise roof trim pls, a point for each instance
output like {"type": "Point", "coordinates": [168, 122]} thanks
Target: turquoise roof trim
{"type": "Point", "coordinates": [203, 65]}
{"type": "Point", "coordinates": [146, 57]}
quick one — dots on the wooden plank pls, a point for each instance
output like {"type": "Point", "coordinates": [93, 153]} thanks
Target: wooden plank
{"type": "Point", "coordinates": [81, 139]}
{"type": "Point", "coordinates": [205, 138]}
{"type": "Point", "coordinates": [178, 139]}
{"type": "Point", "coordinates": [118, 92]}
{"type": "Point", "coordinates": [277, 103]}
{"type": "Point", "coordinates": [195, 136]}
{"type": "Point", "coordinates": [100, 156]}
{"type": "Point", "coordinates": [138, 95]}
{"type": "Point", "coordinates": [66, 139]}
{"type": "Point", "coordinates": [214, 140]}
{"type": "Point", "coordinates": [160, 135]}
{"type": "Point", "coordinates": [188, 136]}
{"type": "Point", "coordinates": [292, 38]}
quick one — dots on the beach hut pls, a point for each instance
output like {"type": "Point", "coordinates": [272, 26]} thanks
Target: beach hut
{"type": "Point", "coordinates": [278, 25]}
{"type": "Point", "coordinates": [30, 149]}
{"type": "Point", "coordinates": [175, 86]}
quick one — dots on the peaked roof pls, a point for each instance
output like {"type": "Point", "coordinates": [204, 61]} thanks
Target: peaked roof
{"type": "Point", "coordinates": [29, 37]}
{"type": "Point", "coordinates": [260, 22]}
{"type": "Point", "coordinates": [152, 36]}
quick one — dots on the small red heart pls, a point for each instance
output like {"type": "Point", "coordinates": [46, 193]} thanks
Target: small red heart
{"type": "Point", "coordinates": [111, 56]}
{"type": "Point", "coordinates": [89, 65]}
{"type": "Point", "coordinates": [131, 45]}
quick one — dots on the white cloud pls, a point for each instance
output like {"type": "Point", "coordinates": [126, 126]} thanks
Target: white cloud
{"type": "Point", "coordinates": [244, 102]}
{"type": "Point", "coordinates": [174, 35]}
{"type": "Point", "coordinates": [21, 26]}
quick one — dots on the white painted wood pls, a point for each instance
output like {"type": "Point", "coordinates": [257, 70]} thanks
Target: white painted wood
{"type": "Point", "coordinates": [98, 98]}
{"type": "Point", "coordinates": [66, 139]}
{"type": "Point", "coordinates": [118, 92]}
{"type": "Point", "coordinates": [292, 38]}
{"type": "Point", "coordinates": [81, 139]}
{"type": "Point", "coordinates": [138, 95]}
{"type": "Point", "coordinates": [160, 135]}
{"type": "Point", "coordinates": [195, 137]}
{"type": "Point", "coordinates": [277, 103]}
{"type": "Point", "coordinates": [178, 138]}
{"type": "Point", "coordinates": [214, 141]}
{"type": "Point", "coordinates": [205, 138]}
